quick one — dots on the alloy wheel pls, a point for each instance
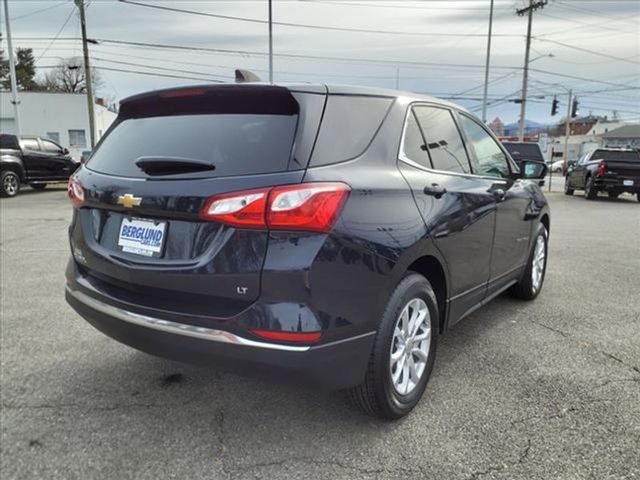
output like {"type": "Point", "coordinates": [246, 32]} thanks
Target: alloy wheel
{"type": "Point", "coordinates": [410, 346]}
{"type": "Point", "coordinates": [537, 268]}
{"type": "Point", "coordinates": [10, 185]}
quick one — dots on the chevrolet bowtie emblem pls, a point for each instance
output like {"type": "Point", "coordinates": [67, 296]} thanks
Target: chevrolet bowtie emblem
{"type": "Point", "coordinates": [129, 200]}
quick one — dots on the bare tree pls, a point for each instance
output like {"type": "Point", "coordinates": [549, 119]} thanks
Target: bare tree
{"type": "Point", "coordinates": [68, 77]}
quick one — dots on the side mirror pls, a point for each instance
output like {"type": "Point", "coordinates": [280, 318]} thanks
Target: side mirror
{"type": "Point", "coordinates": [533, 170]}
{"type": "Point", "coordinates": [571, 163]}
{"type": "Point", "coordinates": [65, 151]}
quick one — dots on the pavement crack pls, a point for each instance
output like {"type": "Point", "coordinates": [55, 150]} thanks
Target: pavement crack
{"type": "Point", "coordinates": [555, 330]}
{"type": "Point", "coordinates": [619, 360]}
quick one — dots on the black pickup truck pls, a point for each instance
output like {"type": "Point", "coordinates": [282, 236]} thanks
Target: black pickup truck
{"type": "Point", "coordinates": [611, 170]}
{"type": "Point", "coordinates": [33, 160]}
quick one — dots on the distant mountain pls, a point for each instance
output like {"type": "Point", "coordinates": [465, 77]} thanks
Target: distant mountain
{"type": "Point", "coordinates": [529, 125]}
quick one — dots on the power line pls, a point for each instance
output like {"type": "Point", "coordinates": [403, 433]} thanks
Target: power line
{"type": "Point", "coordinates": [51, 7]}
{"type": "Point", "coordinates": [408, 63]}
{"type": "Point", "coordinates": [580, 49]}
{"type": "Point", "coordinates": [152, 74]}
{"type": "Point", "coordinates": [155, 67]}
{"type": "Point", "coordinates": [589, 11]}
{"type": "Point", "coordinates": [311, 26]}
{"type": "Point", "coordinates": [57, 34]}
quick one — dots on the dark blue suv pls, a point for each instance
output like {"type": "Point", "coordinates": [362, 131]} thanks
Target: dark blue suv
{"type": "Point", "coordinates": [315, 234]}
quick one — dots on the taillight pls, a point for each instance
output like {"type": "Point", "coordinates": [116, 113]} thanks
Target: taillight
{"type": "Point", "coordinates": [602, 168]}
{"type": "Point", "coordinates": [293, 337]}
{"type": "Point", "coordinates": [75, 191]}
{"type": "Point", "coordinates": [311, 207]}
{"type": "Point", "coordinates": [240, 209]}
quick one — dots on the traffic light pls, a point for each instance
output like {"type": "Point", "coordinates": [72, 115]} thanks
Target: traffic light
{"type": "Point", "coordinates": [554, 106]}
{"type": "Point", "coordinates": [574, 108]}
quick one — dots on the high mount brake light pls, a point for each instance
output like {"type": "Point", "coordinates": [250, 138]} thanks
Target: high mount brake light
{"type": "Point", "coordinates": [602, 168]}
{"type": "Point", "coordinates": [75, 190]}
{"type": "Point", "coordinates": [311, 207]}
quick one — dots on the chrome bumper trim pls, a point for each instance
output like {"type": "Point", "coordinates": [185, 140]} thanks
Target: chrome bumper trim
{"type": "Point", "coordinates": [176, 328]}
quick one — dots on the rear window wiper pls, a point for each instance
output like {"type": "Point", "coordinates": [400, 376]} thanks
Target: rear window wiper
{"type": "Point", "coordinates": [158, 165]}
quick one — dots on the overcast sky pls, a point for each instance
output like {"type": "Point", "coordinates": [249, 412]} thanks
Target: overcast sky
{"type": "Point", "coordinates": [451, 34]}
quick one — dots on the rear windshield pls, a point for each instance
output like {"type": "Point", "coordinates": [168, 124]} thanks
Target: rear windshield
{"type": "Point", "coordinates": [528, 151]}
{"type": "Point", "coordinates": [236, 144]}
{"type": "Point", "coordinates": [615, 155]}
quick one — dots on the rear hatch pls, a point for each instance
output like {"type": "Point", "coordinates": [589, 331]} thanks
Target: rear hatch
{"type": "Point", "coordinates": [622, 164]}
{"type": "Point", "coordinates": [138, 236]}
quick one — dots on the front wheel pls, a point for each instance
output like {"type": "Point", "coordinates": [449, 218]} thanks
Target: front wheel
{"type": "Point", "coordinates": [532, 279]}
{"type": "Point", "coordinates": [9, 184]}
{"type": "Point", "coordinates": [403, 353]}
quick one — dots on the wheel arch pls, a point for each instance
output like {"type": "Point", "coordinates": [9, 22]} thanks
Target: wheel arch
{"type": "Point", "coordinates": [13, 164]}
{"type": "Point", "coordinates": [433, 270]}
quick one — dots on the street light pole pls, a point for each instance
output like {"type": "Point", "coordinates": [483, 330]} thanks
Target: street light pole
{"type": "Point", "coordinates": [87, 74]}
{"type": "Point", "coordinates": [270, 43]}
{"type": "Point", "coordinates": [486, 68]}
{"type": "Point", "coordinates": [12, 72]}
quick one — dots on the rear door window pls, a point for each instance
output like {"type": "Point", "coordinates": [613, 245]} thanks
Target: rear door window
{"type": "Point", "coordinates": [236, 144]}
{"type": "Point", "coordinates": [414, 147]}
{"type": "Point", "coordinates": [444, 143]}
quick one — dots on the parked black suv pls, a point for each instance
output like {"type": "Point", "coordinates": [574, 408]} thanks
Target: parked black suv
{"type": "Point", "coordinates": [611, 170]}
{"type": "Point", "coordinates": [33, 160]}
{"type": "Point", "coordinates": [317, 234]}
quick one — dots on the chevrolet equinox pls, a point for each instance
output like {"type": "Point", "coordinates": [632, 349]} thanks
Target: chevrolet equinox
{"type": "Point", "coordinates": [315, 234]}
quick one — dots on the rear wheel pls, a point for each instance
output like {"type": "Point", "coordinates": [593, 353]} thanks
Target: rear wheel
{"type": "Point", "coordinates": [567, 189]}
{"type": "Point", "coordinates": [532, 279]}
{"type": "Point", "coordinates": [403, 353]}
{"type": "Point", "coordinates": [9, 184]}
{"type": "Point", "coordinates": [590, 192]}
{"type": "Point", "coordinates": [39, 186]}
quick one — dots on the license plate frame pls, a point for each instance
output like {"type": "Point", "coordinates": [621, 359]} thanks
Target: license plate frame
{"type": "Point", "coordinates": [144, 241]}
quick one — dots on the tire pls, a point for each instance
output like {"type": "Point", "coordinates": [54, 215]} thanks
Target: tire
{"type": "Point", "coordinates": [530, 285]}
{"type": "Point", "coordinates": [379, 395]}
{"type": "Point", "coordinates": [567, 189]}
{"type": "Point", "coordinates": [9, 184]}
{"type": "Point", "coordinates": [590, 192]}
{"type": "Point", "coordinates": [39, 186]}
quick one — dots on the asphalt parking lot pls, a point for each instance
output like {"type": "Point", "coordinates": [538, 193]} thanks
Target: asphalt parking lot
{"type": "Point", "coordinates": [542, 390]}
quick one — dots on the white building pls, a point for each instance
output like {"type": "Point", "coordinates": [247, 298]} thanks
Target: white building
{"type": "Point", "coordinates": [62, 117]}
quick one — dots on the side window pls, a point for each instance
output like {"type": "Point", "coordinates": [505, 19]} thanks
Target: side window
{"type": "Point", "coordinates": [491, 159]}
{"type": "Point", "coordinates": [444, 143]}
{"type": "Point", "coordinates": [30, 144]}
{"type": "Point", "coordinates": [413, 146]}
{"type": "Point", "coordinates": [50, 147]}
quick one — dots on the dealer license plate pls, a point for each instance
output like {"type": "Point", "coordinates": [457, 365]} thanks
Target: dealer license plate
{"type": "Point", "coordinates": [142, 237]}
{"type": "Point", "coordinates": [627, 183]}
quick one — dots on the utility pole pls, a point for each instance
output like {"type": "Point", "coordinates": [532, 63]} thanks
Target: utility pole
{"type": "Point", "coordinates": [12, 71]}
{"type": "Point", "coordinates": [567, 132]}
{"type": "Point", "coordinates": [533, 5]}
{"type": "Point", "coordinates": [87, 74]}
{"type": "Point", "coordinates": [270, 43]}
{"type": "Point", "coordinates": [486, 68]}
{"type": "Point", "coordinates": [397, 78]}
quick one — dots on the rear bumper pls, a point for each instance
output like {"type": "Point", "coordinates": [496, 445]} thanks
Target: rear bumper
{"type": "Point", "coordinates": [335, 365]}
{"type": "Point", "coordinates": [617, 184]}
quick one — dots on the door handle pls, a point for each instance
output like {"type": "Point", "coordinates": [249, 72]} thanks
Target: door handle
{"type": "Point", "coordinates": [497, 193]}
{"type": "Point", "coordinates": [434, 190]}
